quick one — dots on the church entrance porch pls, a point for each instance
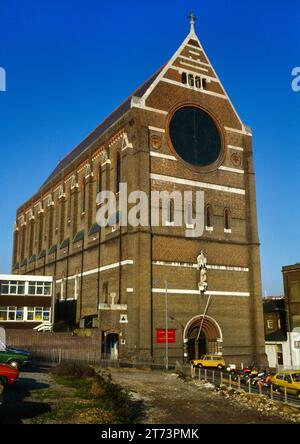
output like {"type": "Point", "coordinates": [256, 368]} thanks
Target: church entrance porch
{"type": "Point", "coordinates": [202, 335]}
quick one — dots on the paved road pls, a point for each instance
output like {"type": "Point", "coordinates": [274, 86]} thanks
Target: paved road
{"type": "Point", "coordinates": [169, 400]}
{"type": "Point", "coordinates": [18, 404]}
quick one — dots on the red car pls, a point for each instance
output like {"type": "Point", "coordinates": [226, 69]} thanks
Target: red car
{"type": "Point", "coordinates": [8, 374]}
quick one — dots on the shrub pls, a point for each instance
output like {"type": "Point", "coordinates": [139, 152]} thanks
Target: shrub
{"type": "Point", "coordinates": [97, 391]}
{"type": "Point", "coordinates": [77, 369]}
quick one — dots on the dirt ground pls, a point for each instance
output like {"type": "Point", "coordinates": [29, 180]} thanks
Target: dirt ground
{"type": "Point", "coordinates": [162, 398]}
{"type": "Point", "coordinates": [168, 399]}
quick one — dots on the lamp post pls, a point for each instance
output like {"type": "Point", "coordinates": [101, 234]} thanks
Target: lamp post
{"type": "Point", "coordinates": [182, 328]}
{"type": "Point", "coordinates": [167, 338]}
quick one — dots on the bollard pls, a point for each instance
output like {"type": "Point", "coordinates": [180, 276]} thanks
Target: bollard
{"type": "Point", "coordinates": [271, 393]}
{"type": "Point", "coordinates": [239, 382]}
{"type": "Point", "coordinates": [205, 375]}
{"type": "Point", "coordinates": [221, 378]}
{"type": "Point", "coordinates": [285, 395]}
{"type": "Point", "coordinates": [213, 376]}
{"type": "Point", "coordinates": [230, 381]}
{"type": "Point", "coordinates": [193, 371]}
{"type": "Point", "coordinates": [260, 388]}
{"type": "Point", "coordinates": [59, 356]}
{"type": "Point", "coordinates": [199, 373]}
{"type": "Point", "coordinates": [249, 382]}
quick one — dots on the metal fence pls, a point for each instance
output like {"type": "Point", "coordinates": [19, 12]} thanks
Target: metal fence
{"type": "Point", "coordinates": [218, 378]}
{"type": "Point", "coordinates": [59, 355]}
{"type": "Point", "coordinates": [56, 356]}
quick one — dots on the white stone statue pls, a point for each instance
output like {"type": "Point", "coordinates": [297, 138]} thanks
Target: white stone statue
{"type": "Point", "coordinates": [202, 266]}
{"type": "Point", "coordinates": [201, 260]}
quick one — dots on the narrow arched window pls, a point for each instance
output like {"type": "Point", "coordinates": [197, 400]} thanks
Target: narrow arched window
{"type": "Point", "coordinates": [170, 211]}
{"type": "Point", "coordinates": [118, 173]}
{"type": "Point", "coordinates": [105, 292]}
{"type": "Point", "coordinates": [184, 78]}
{"type": "Point", "coordinates": [208, 216]}
{"type": "Point", "coordinates": [191, 80]}
{"type": "Point", "coordinates": [204, 83]}
{"type": "Point", "coordinates": [99, 180]}
{"type": "Point", "coordinates": [69, 210]}
{"type": "Point", "coordinates": [83, 197]}
{"type": "Point", "coordinates": [226, 219]}
{"type": "Point", "coordinates": [198, 82]}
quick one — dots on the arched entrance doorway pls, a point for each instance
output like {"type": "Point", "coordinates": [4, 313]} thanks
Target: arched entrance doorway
{"type": "Point", "coordinates": [209, 341]}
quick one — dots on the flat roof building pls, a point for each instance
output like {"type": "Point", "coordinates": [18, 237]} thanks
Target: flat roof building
{"type": "Point", "coordinates": [25, 301]}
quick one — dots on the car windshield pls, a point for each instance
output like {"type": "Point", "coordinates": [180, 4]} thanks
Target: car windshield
{"type": "Point", "coordinates": [296, 377]}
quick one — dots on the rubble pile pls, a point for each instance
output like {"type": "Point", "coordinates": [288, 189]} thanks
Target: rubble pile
{"type": "Point", "coordinates": [260, 403]}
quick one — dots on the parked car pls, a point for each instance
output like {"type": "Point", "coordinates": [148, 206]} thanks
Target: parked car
{"type": "Point", "coordinates": [289, 379]}
{"type": "Point", "coordinates": [209, 361]}
{"type": "Point", "coordinates": [14, 357]}
{"type": "Point", "coordinates": [8, 374]}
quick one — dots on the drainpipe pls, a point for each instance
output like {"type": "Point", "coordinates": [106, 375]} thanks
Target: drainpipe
{"type": "Point", "coordinates": [81, 278]}
{"type": "Point", "coordinates": [99, 277]}
{"type": "Point", "coordinates": [67, 273]}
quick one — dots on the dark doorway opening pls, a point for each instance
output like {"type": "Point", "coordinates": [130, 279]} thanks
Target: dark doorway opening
{"type": "Point", "coordinates": [110, 346]}
{"type": "Point", "coordinates": [196, 348]}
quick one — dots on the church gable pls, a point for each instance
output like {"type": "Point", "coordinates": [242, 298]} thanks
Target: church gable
{"type": "Point", "coordinates": [190, 71]}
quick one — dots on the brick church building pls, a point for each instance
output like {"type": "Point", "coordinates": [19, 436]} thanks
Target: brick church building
{"type": "Point", "coordinates": [178, 131]}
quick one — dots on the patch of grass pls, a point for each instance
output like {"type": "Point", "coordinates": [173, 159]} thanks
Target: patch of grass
{"type": "Point", "coordinates": [91, 399]}
{"type": "Point", "coordinates": [82, 386]}
{"type": "Point", "coordinates": [49, 394]}
{"type": "Point", "coordinates": [64, 410]}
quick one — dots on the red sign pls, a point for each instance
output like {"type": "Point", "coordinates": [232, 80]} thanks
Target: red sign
{"type": "Point", "coordinates": [161, 336]}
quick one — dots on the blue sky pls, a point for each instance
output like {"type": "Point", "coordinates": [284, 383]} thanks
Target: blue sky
{"type": "Point", "coordinates": [70, 63]}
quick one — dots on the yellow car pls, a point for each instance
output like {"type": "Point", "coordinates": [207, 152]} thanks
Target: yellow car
{"type": "Point", "coordinates": [209, 361]}
{"type": "Point", "coordinates": [289, 379]}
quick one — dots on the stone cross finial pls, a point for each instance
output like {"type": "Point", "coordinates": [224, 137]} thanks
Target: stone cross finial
{"type": "Point", "coordinates": [192, 22]}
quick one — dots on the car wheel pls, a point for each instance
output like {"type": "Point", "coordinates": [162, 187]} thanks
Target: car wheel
{"type": "Point", "coordinates": [199, 366]}
{"type": "Point", "coordinates": [220, 367]}
{"type": "Point", "coordinates": [16, 364]}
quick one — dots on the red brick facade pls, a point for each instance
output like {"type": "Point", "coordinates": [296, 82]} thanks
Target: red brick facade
{"type": "Point", "coordinates": [134, 263]}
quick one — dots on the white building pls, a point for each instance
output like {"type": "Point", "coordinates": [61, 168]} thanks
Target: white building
{"type": "Point", "coordinates": [285, 354]}
{"type": "Point", "coordinates": [26, 301]}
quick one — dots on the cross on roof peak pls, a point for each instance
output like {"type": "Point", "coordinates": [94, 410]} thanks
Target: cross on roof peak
{"type": "Point", "coordinates": [192, 18]}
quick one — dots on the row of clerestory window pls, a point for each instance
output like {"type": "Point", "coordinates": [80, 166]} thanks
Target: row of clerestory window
{"type": "Point", "coordinates": [208, 215]}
